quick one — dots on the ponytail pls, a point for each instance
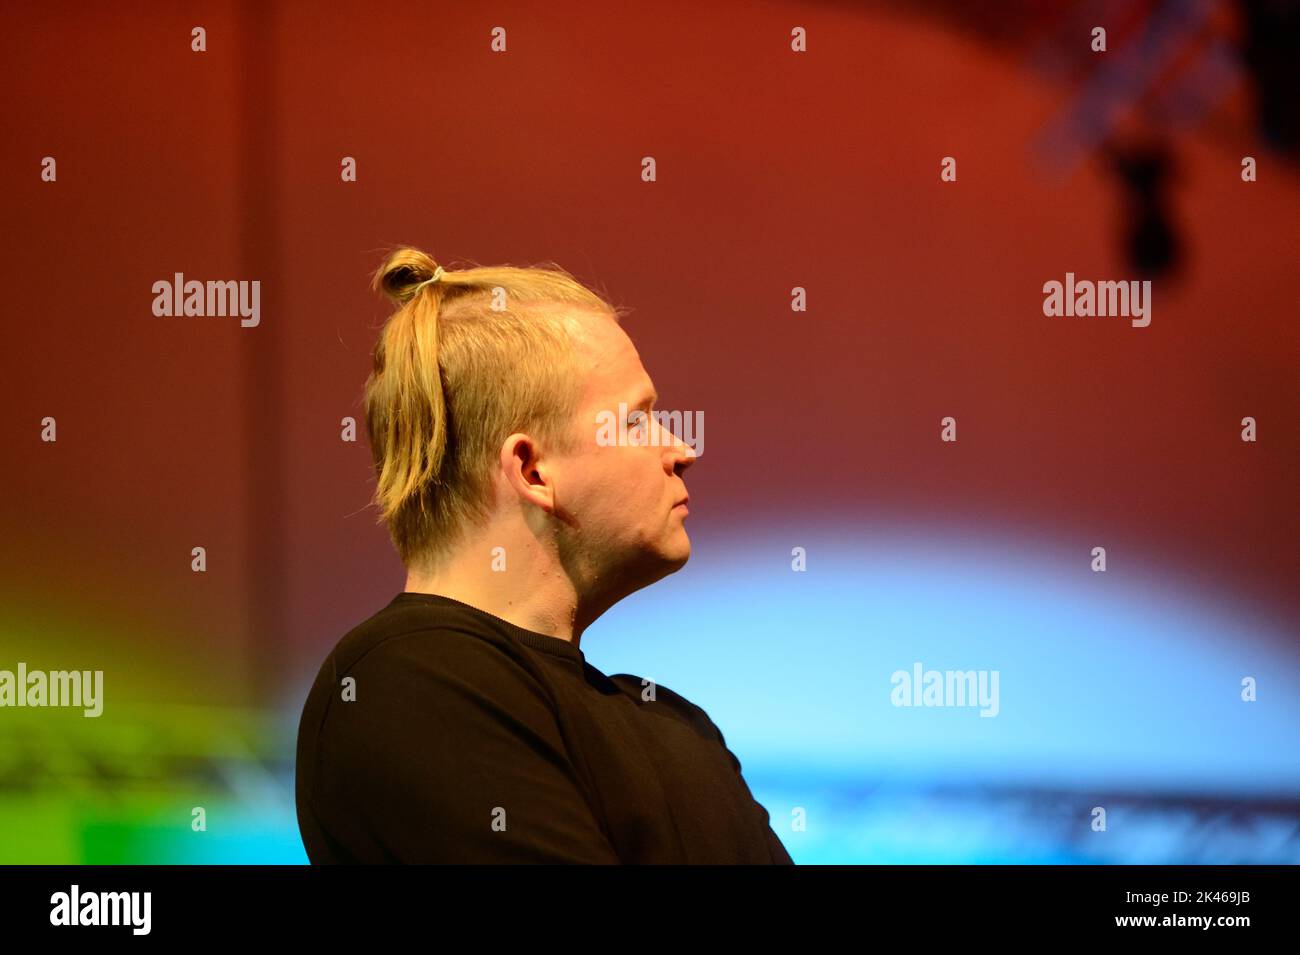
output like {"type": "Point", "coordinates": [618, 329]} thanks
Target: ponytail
{"type": "Point", "coordinates": [411, 422]}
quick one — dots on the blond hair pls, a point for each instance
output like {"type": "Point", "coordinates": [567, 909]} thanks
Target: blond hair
{"type": "Point", "coordinates": [468, 357]}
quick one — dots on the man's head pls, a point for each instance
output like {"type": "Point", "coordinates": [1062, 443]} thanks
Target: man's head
{"type": "Point", "coordinates": [483, 409]}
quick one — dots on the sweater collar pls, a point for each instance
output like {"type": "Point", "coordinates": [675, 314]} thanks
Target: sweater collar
{"type": "Point", "coordinates": [556, 646]}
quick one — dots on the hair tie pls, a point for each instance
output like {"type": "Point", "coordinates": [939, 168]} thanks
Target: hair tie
{"type": "Point", "coordinates": [437, 274]}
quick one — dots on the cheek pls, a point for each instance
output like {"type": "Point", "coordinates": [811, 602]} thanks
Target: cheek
{"type": "Point", "coordinates": [599, 488]}
{"type": "Point", "coordinates": [625, 492]}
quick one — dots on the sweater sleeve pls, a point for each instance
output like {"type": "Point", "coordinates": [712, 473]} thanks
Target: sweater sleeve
{"type": "Point", "coordinates": [780, 856]}
{"type": "Point", "coordinates": [450, 753]}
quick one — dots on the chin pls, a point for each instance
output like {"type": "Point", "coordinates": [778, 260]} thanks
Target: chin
{"type": "Point", "coordinates": [680, 555]}
{"type": "Point", "coordinates": [671, 559]}
{"type": "Point", "coordinates": [654, 563]}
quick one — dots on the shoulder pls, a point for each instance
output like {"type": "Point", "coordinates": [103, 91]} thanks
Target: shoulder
{"type": "Point", "coordinates": [416, 640]}
{"type": "Point", "coordinates": [406, 635]}
{"type": "Point", "coordinates": [426, 648]}
{"type": "Point", "coordinates": [676, 706]}
{"type": "Point", "coordinates": [646, 691]}
{"type": "Point", "coordinates": [397, 674]}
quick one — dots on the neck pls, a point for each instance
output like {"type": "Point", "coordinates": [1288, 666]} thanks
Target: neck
{"type": "Point", "coordinates": [531, 591]}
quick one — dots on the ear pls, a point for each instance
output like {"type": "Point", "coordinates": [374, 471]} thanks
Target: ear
{"type": "Point", "coordinates": [526, 472]}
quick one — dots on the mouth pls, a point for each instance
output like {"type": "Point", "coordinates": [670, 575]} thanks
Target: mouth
{"type": "Point", "coordinates": [682, 504]}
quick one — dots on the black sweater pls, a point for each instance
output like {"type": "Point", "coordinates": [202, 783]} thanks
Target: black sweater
{"type": "Point", "coordinates": [472, 740]}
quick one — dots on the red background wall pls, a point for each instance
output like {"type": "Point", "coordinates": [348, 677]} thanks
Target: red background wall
{"type": "Point", "coordinates": [774, 170]}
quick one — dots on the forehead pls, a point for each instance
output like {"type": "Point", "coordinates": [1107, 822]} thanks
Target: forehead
{"type": "Point", "coordinates": [614, 369]}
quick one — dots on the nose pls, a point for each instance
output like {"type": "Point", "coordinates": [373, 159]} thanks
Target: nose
{"type": "Point", "coordinates": [680, 454]}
